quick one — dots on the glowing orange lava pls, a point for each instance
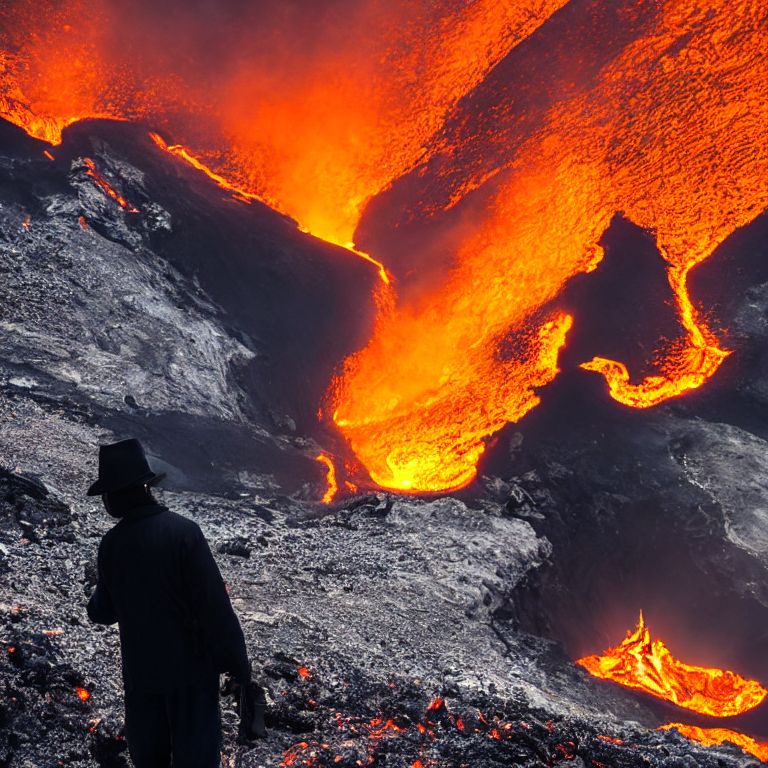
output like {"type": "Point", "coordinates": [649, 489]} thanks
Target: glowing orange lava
{"type": "Point", "coordinates": [321, 142]}
{"type": "Point", "coordinates": [670, 133]}
{"type": "Point", "coordinates": [316, 140]}
{"type": "Point", "coordinates": [106, 187]}
{"type": "Point", "coordinates": [638, 662]}
{"type": "Point", "coordinates": [330, 478]}
{"type": "Point", "coordinates": [83, 694]}
{"type": "Point", "coordinates": [712, 736]}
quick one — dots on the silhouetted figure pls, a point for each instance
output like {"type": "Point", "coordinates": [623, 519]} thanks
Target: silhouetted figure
{"type": "Point", "coordinates": [178, 631]}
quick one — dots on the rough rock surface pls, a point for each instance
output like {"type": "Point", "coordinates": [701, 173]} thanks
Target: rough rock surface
{"type": "Point", "coordinates": [392, 631]}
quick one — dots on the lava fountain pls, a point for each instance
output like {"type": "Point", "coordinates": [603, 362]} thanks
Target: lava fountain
{"type": "Point", "coordinates": [647, 665]}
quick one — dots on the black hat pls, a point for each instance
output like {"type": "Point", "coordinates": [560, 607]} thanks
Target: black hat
{"type": "Point", "coordinates": [122, 465]}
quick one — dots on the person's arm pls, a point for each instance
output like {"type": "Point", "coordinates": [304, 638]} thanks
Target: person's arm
{"type": "Point", "coordinates": [100, 608]}
{"type": "Point", "coordinates": [217, 621]}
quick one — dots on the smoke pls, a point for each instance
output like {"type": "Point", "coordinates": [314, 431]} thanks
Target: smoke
{"type": "Point", "coordinates": [314, 106]}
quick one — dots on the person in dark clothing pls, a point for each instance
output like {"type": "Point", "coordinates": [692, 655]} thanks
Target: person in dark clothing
{"type": "Point", "coordinates": [158, 580]}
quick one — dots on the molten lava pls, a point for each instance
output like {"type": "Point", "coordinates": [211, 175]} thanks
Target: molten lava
{"type": "Point", "coordinates": [670, 134]}
{"type": "Point", "coordinates": [317, 119]}
{"type": "Point", "coordinates": [330, 478]}
{"type": "Point", "coordinates": [315, 127]}
{"type": "Point", "coordinates": [648, 665]}
{"type": "Point", "coordinates": [106, 187]}
{"type": "Point", "coordinates": [711, 736]}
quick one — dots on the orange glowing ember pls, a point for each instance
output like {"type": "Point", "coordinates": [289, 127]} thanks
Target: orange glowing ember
{"type": "Point", "coordinates": [304, 673]}
{"type": "Point", "coordinates": [83, 694]}
{"type": "Point", "coordinates": [330, 478]}
{"type": "Point", "coordinates": [379, 728]}
{"type": "Point", "coordinates": [712, 736]}
{"type": "Point", "coordinates": [106, 187]}
{"type": "Point", "coordinates": [610, 739]}
{"type": "Point", "coordinates": [638, 662]}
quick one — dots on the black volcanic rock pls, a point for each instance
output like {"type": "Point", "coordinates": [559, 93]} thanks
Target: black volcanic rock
{"type": "Point", "coordinates": [203, 325]}
{"type": "Point", "coordinates": [624, 309]}
{"type": "Point", "coordinates": [730, 290]}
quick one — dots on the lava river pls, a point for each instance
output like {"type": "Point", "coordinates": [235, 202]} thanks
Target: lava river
{"type": "Point", "coordinates": [319, 116]}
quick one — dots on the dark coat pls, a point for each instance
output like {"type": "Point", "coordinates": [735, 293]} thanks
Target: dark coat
{"type": "Point", "coordinates": [157, 578]}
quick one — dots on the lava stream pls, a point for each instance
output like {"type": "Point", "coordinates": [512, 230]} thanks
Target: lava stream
{"type": "Point", "coordinates": [330, 478]}
{"type": "Point", "coordinates": [712, 736]}
{"type": "Point", "coordinates": [648, 665]}
{"type": "Point", "coordinates": [671, 134]}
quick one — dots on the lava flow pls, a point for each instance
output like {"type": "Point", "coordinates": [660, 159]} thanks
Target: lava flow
{"type": "Point", "coordinates": [315, 115]}
{"type": "Point", "coordinates": [318, 116]}
{"type": "Point", "coordinates": [672, 135]}
{"type": "Point", "coordinates": [648, 665]}
{"type": "Point", "coordinates": [712, 736]}
{"type": "Point", "coordinates": [330, 478]}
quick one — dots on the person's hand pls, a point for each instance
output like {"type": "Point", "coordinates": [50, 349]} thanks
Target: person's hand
{"type": "Point", "coordinates": [231, 687]}
{"type": "Point", "coordinates": [253, 706]}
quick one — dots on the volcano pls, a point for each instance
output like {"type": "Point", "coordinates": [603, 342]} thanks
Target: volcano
{"type": "Point", "coordinates": [452, 338]}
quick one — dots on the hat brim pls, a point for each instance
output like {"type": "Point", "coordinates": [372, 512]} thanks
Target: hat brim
{"type": "Point", "coordinates": [150, 478]}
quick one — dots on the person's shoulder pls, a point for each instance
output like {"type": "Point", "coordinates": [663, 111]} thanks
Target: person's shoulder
{"type": "Point", "coordinates": [104, 543]}
{"type": "Point", "coordinates": [181, 523]}
{"type": "Point", "coordinates": [109, 535]}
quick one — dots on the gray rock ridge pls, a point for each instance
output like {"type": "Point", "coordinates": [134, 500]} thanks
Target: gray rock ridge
{"type": "Point", "coordinates": [301, 303]}
{"type": "Point", "coordinates": [100, 315]}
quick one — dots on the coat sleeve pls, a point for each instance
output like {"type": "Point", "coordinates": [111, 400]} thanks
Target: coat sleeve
{"type": "Point", "coordinates": [100, 607]}
{"type": "Point", "coordinates": [216, 619]}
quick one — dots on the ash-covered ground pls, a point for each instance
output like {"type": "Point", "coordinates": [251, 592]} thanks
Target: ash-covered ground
{"type": "Point", "coordinates": [387, 630]}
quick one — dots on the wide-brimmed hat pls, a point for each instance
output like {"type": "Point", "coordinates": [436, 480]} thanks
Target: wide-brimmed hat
{"type": "Point", "coordinates": [123, 465]}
